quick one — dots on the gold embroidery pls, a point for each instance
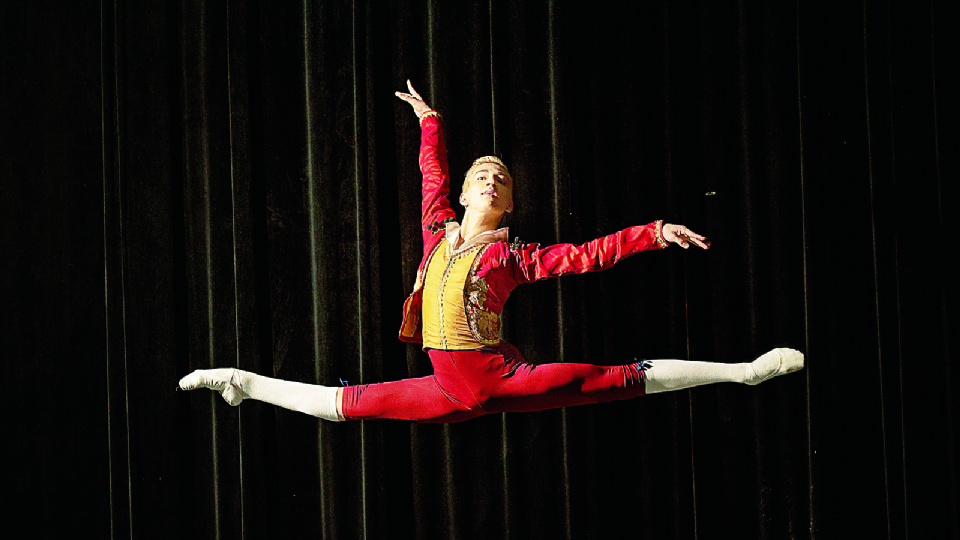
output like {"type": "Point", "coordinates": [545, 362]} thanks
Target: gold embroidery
{"type": "Point", "coordinates": [477, 291]}
{"type": "Point", "coordinates": [488, 325]}
{"type": "Point", "coordinates": [455, 311]}
{"type": "Point", "coordinates": [428, 114]}
{"type": "Point", "coordinates": [661, 241]}
{"type": "Point", "coordinates": [484, 324]}
{"type": "Point", "coordinates": [445, 277]}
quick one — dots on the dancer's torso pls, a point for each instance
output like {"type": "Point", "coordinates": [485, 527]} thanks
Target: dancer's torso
{"type": "Point", "coordinates": [453, 297]}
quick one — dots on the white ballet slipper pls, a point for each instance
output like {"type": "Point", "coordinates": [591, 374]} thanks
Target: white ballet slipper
{"type": "Point", "coordinates": [223, 380]}
{"type": "Point", "coordinates": [774, 363]}
{"type": "Point", "coordinates": [236, 385]}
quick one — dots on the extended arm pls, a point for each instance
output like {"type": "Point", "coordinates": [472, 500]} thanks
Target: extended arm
{"type": "Point", "coordinates": [435, 208]}
{"type": "Point", "coordinates": [540, 262]}
{"type": "Point", "coordinates": [536, 262]}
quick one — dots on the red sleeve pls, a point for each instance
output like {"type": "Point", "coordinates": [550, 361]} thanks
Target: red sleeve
{"type": "Point", "coordinates": [535, 262]}
{"type": "Point", "coordinates": [435, 208]}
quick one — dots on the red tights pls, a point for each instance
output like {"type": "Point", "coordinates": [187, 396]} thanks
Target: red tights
{"type": "Point", "coordinates": [467, 384]}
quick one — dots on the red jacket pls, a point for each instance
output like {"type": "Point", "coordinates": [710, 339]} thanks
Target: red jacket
{"type": "Point", "coordinates": [501, 266]}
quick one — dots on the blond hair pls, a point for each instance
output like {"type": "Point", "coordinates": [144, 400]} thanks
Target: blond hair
{"type": "Point", "coordinates": [476, 165]}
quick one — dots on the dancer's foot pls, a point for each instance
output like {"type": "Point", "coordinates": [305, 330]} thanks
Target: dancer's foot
{"type": "Point", "coordinates": [774, 363]}
{"type": "Point", "coordinates": [223, 380]}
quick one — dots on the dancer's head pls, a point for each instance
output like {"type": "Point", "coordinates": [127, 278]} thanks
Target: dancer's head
{"type": "Point", "coordinates": [488, 186]}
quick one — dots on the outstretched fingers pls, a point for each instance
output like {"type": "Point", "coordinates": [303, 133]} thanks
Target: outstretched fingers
{"type": "Point", "coordinates": [412, 91]}
{"type": "Point", "coordinates": [413, 98]}
{"type": "Point", "coordinates": [696, 239]}
{"type": "Point", "coordinates": [683, 236]}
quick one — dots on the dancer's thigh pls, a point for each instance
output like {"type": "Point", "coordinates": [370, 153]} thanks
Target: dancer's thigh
{"type": "Point", "coordinates": [532, 387]}
{"type": "Point", "coordinates": [419, 400]}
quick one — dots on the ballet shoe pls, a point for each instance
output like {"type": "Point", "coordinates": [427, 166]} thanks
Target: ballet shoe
{"type": "Point", "coordinates": [774, 363]}
{"type": "Point", "coordinates": [223, 380]}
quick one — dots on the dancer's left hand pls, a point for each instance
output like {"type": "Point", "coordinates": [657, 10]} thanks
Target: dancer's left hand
{"type": "Point", "coordinates": [683, 237]}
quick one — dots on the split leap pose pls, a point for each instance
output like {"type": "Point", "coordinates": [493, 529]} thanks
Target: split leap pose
{"type": "Point", "coordinates": [467, 271]}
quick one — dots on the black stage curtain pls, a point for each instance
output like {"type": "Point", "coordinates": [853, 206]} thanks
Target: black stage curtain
{"type": "Point", "coordinates": [233, 183]}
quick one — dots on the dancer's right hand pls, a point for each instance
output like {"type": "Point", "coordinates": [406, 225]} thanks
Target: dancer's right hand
{"type": "Point", "coordinates": [414, 99]}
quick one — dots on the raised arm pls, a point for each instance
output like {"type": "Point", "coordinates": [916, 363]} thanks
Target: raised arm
{"type": "Point", "coordinates": [435, 206]}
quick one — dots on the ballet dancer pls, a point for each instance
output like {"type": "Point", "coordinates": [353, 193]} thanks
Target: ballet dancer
{"type": "Point", "coordinates": [467, 271]}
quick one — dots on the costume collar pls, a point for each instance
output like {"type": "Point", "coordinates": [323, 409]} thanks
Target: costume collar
{"type": "Point", "coordinates": [488, 237]}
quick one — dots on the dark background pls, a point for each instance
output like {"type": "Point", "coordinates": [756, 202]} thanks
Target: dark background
{"type": "Point", "coordinates": [233, 183]}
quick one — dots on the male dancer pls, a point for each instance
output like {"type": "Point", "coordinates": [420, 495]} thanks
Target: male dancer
{"type": "Point", "coordinates": [467, 271]}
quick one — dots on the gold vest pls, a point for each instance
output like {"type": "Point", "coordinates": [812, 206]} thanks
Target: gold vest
{"type": "Point", "coordinates": [449, 290]}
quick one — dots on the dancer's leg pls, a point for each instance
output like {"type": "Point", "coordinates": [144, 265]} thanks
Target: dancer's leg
{"type": "Point", "coordinates": [504, 382]}
{"type": "Point", "coordinates": [236, 385]}
{"type": "Point", "coordinates": [417, 400]}
{"type": "Point", "coordinates": [550, 386]}
{"type": "Point", "coordinates": [420, 400]}
{"type": "Point", "coordinates": [470, 383]}
{"type": "Point", "coordinates": [446, 396]}
{"type": "Point", "coordinates": [669, 375]}
{"type": "Point", "coordinates": [499, 380]}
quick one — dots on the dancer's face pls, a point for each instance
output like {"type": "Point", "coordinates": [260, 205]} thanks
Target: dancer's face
{"type": "Point", "coordinates": [488, 188]}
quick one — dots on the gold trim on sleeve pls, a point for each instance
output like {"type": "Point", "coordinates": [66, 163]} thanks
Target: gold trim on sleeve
{"type": "Point", "coordinates": [428, 114]}
{"type": "Point", "coordinates": [661, 241]}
